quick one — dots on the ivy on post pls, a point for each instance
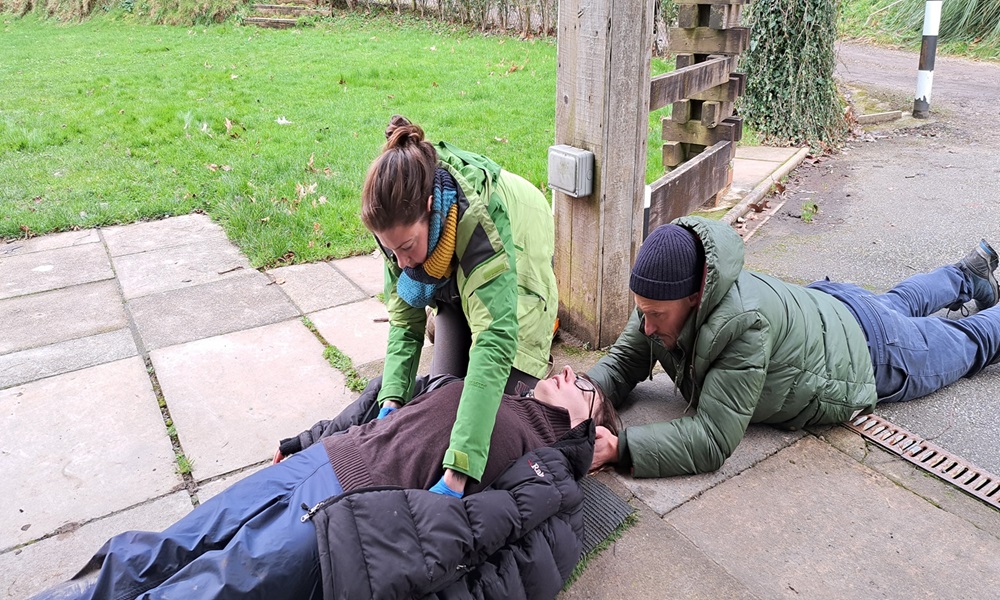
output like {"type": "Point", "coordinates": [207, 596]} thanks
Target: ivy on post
{"type": "Point", "coordinates": [791, 96]}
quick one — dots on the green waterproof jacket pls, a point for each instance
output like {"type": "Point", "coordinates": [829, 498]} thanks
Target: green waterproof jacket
{"type": "Point", "coordinates": [756, 350]}
{"type": "Point", "coordinates": [507, 289]}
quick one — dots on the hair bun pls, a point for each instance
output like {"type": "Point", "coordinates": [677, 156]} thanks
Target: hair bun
{"type": "Point", "coordinates": [401, 132]}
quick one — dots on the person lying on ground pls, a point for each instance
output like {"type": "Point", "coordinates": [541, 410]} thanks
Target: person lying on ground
{"type": "Point", "coordinates": [745, 348]}
{"type": "Point", "coordinates": [316, 524]}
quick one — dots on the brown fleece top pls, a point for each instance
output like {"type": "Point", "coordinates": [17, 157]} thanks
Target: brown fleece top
{"type": "Point", "coordinates": [406, 448]}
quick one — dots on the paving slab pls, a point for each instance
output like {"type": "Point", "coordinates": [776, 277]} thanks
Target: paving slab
{"type": "Point", "coordinates": [53, 269]}
{"type": "Point", "coordinates": [652, 560]}
{"type": "Point", "coordinates": [359, 330]}
{"type": "Point", "coordinates": [63, 357]}
{"type": "Point", "coordinates": [60, 315]}
{"type": "Point", "coordinates": [32, 569]}
{"type": "Point", "coordinates": [367, 271]}
{"type": "Point", "coordinates": [179, 267]}
{"type": "Point", "coordinates": [165, 233]}
{"type": "Point", "coordinates": [70, 443]}
{"type": "Point", "coordinates": [234, 396]}
{"type": "Point", "coordinates": [940, 493]}
{"type": "Point", "coordinates": [748, 173]}
{"type": "Point", "coordinates": [316, 286]}
{"type": "Point", "coordinates": [192, 313]}
{"type": "Point", "coordinates": [655, 401]}
{"type": "Point", "coordinates": [810, 522]}
{"type": "Point", "coordinates": [49, 242]}
{"type": "Point", "coordinates": [767, 153]}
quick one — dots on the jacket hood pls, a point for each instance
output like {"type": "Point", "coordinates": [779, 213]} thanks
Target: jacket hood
{"type": "Point", "coordinates": [724, 254]}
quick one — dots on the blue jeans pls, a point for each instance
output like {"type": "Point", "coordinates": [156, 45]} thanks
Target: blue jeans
{"type": "Point", "coordinates": [913, 353]}
{"type": "Point", "coordinates": [246, 542]}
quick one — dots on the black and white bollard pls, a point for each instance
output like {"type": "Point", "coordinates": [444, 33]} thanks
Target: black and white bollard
{"type": "Point", "coordinates": [928, 48]}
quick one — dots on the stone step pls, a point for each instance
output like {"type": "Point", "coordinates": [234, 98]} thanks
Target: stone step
{"type": "Point", "coordinates": [288, 10]}
{"type": "Point", "coordinates": [271, 22]}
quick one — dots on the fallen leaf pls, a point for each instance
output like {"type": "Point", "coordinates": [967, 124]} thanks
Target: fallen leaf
{"type": "Point", "coordinates": [212, 167]}
{"type": "Point", "coordinates": [234, 76]}
{"type": "Point", "coordinates": [265, 219]}
{"type": "Point", "coordinates": [226, 168]}
{"type": "Point", "coordinates": [502, 140]}
{"type": "Point", "coordinates": [434, 84]}
{"type": "Point", "coordinates": [282, 120]}
{"type": "Point", "coordinates": [309, 165]}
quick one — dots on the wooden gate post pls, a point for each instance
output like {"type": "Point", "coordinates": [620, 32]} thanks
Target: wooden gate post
{"type": "Point", "coordinates": [602, 105]}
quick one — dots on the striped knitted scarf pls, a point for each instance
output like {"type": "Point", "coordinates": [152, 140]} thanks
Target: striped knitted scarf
{"type": "Point", "coordinates": [416, 286]}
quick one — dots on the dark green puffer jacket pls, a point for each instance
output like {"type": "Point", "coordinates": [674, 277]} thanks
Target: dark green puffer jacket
{"type": "Point", "coordinates": [757, 350]}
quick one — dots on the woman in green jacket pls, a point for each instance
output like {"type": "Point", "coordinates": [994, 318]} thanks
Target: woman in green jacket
{"type": "Point", "coordinates": [475, 242]}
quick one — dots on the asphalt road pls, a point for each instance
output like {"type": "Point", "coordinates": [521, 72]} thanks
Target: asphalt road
{"type": "Point", "coordinates": [907, 198]}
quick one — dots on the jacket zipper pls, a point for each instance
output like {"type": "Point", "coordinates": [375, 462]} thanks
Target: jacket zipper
{"type": "Point", "coordinates": [311, 512]}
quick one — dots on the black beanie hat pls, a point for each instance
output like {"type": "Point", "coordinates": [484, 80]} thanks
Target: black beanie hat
{"type": "Point", "coordinates": [669, 264]}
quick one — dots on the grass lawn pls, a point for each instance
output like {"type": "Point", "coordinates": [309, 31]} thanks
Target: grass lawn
{"type": "Point", "coordinates": [268, 131]}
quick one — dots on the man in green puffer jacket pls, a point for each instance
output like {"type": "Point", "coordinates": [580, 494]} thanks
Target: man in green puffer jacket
{"type": "Point", "coordinates": [748, 348]}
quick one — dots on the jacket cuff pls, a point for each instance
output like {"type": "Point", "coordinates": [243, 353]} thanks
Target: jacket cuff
{"type": "Point", "coordinates": [457, 460]}
{"type": "Point", "coordinates": [624, 456]}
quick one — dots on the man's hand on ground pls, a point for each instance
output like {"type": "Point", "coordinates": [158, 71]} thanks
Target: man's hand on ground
{"type": "Point", "coordinates": [278, 457]}
{"type": "Point", "coordinates": [605, 448]}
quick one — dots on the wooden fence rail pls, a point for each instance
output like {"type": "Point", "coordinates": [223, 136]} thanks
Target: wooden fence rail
{"type": "Point", "coordinates": [702, 131]}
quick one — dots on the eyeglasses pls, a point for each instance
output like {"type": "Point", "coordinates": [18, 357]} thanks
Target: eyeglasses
{"type": "Point", "coordinates": [582, 383]}
{"type": "Point", "coordinates": [585, 385]}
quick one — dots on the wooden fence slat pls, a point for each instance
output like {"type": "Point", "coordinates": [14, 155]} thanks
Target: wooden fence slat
{"type": "Point", "coordinates": [673, 154]}
{"type": "Point", "coordinates": [712, 113]}
{"type": "Point", "coordinates": [681, 111]}
{"type": "Point", "coordinates": [690, 185]}
{"type": "Point", "coordinates": [703, 40]}
{"type": "Point", "coordinates": [677, 85]}
{"type": "Point", "coordinates": [693, 132]}
{"type": "Point", "coordinates": [687, 16]}
{"type": "Point", "coordinates": [720, 16]}
{"type": "Point", "coordinates": [727, 92]}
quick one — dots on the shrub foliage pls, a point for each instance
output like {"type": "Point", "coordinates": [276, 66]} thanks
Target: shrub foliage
{"type": "Point", "coordinates": [791, 96]}
{"type": "Point", "coordinates": [961, 20]}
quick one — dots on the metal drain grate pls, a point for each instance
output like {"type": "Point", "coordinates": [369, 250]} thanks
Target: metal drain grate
{"type": "Point", "coordinates": [603, 512]}
{"type": "Point", "coordinates": [930, 457]}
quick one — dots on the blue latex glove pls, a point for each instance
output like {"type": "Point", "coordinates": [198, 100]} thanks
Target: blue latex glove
{"type": "Point", "coordinates": [384, 411]}
{"type": "Point", "coordinates": [442, 488]}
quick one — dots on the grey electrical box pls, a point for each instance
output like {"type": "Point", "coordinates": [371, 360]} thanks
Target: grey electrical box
{"type": "Point", "coordinates": [571, 170]}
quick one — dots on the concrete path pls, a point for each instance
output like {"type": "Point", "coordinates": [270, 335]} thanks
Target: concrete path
{"type": "Point", "coordinates": [144, 368]}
